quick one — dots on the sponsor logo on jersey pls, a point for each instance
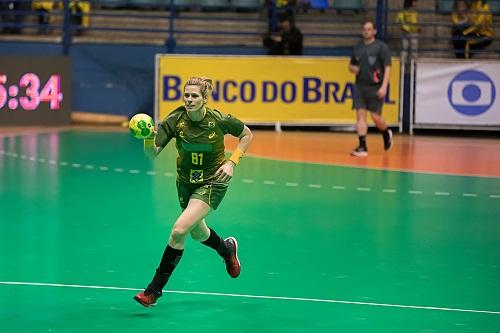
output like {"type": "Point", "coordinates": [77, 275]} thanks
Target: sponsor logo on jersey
{"type": "Point", "coordinates": [211, 124]}
{"type": "Point", "coordinates": [196, 176]}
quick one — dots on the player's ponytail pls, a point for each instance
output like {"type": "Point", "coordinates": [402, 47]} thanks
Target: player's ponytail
{"type": "Point", "coordinates": [206, 85]}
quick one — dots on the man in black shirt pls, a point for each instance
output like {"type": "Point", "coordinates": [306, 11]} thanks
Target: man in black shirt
{"type": "Point", "coordinates": [286, 41]}
{"type": "Point", "coordinates": [371, 63]}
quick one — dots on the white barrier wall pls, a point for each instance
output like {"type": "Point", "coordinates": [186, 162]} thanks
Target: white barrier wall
{"type": "Point", "coordinates": [457, 94]}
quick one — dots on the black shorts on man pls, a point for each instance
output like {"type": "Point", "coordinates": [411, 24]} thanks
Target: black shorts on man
{"type": "Point", "coordinates": [366, 98]}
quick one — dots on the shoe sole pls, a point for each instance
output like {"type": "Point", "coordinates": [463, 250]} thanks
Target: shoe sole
{"type": "Point", "coordinates": [138, 300]}
{"type": "Point", "coordinates": [236, 255]}
{"type": "Point", "coordinates": [357, 154]}
{"type": "Point", "coordinates": [390, 140]}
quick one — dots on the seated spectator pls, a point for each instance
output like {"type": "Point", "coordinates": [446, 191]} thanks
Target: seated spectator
{"type": "Point", "coordinates": [43, 9]}
{"type": "Point", "coordinates": [460, 19]}
{"type": "Point", "coordinates": [79, 15]}
{"type": "Point", "coordinates": [286, 41]}
{"type": "Point", "coordinates": [480, 32]}
{"type": "Point", "coordinates": [408, 21]}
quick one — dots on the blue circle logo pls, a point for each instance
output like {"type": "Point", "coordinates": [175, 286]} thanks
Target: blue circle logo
{"type": "Point", "coordinates": [471, 93]}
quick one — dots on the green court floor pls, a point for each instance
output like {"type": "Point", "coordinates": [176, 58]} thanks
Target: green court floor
{"type": "Point", "coordinates": [85, 218]}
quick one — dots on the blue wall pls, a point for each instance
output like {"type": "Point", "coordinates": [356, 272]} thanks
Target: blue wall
{"type": "Point", "coordinates": [119, 79]}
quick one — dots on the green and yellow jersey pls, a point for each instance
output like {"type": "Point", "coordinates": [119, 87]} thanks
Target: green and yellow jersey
{"type": "Point", "coordinates": [200, 144]}
{"type": "Point", "coordinates": [482, 20]}
{"type": "Point", "coordinates": [408, 19]}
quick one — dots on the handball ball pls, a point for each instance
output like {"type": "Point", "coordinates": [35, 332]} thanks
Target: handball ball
{"type": "Point", "coordinates": [141, 126]}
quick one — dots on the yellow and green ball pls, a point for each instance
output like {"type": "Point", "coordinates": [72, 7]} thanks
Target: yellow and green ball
{"type": "Point", "coordinates": [141, 126]}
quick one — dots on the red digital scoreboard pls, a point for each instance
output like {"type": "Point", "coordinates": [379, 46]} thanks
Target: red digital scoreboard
{"type": "Point", "coordinates": [35, 91]}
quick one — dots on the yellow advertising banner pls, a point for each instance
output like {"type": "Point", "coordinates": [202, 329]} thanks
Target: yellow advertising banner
{"type": "Point", "coordinates": [261, 89]}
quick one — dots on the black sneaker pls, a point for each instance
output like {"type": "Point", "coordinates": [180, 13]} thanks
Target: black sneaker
{"type": "Point", "coordinates": [360, 151]}
{"type": "Point", "coordinates": [387, 140]}
{"type": "Point", "coordinates": [233, 266]}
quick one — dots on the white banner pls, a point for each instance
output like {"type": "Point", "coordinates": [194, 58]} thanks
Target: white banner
{"type": "Point", "coordinates": [452, 93]}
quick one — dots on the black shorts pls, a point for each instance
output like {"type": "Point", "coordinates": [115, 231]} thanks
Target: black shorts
{"type": "Point", "coordinates": [212, 194]}
{"type": "Point", "coordinates": [366, 98]}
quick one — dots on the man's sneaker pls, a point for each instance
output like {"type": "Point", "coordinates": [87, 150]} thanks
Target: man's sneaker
{"type": "Point", "coordinates": [147, 298]}
{"type": "Point", "coordinates": [387, 140]}
{"type": "Point", "coordinates": [233, 266]}
{"type": "Point", "coordinates": [360, 151]}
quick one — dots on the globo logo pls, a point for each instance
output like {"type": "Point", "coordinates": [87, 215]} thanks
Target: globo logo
{"type": "Point", "coordinates": [471, 93]}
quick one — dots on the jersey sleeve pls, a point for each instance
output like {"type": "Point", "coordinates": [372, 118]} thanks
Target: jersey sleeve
{"type": "Point", "coordinates": [231, 125]}
{"type": "Point", "coordinates": [166, 131]}
{"type": "Point", "coordinates": [386, 55]}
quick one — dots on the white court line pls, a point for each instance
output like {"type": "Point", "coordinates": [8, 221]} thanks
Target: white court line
{"type": "Point", "coordinates": [266, 182]}
{"type": "Point", "coordinates": [282, 298]}
{"type": "Point", "coordinates": [415, 192]}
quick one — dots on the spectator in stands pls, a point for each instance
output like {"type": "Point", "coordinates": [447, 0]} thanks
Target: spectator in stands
{"type": "Point", "coordinates": [460, 19]}
{"type": "Point", "coordinates": [480, 31]}
{"type": "Point", "coordinates": [43, 9]}
{"type": "Point", "coordinates": [79, 15]}
{"type": "Point", "coordinates": [286, 41]}
{"type": "Point", "coordinates": [408, 21]}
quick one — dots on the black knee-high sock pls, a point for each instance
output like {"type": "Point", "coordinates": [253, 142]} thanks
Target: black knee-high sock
{"type": "Point", "coordinates": [362, 141]}
{"type": "Point", "coordinates": [216, 243]}
{"type": "Point", "coordinates": [169, 261]}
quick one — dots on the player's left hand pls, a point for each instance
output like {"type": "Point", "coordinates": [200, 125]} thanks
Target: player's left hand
{"type": "Point", "coordinates": [225, 172]}
{"type": "Point", "coordinates": [382, 92]}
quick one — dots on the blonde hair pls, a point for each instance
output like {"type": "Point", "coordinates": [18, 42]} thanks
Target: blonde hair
{"type": "Point", "coordinates": [205, 84]}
